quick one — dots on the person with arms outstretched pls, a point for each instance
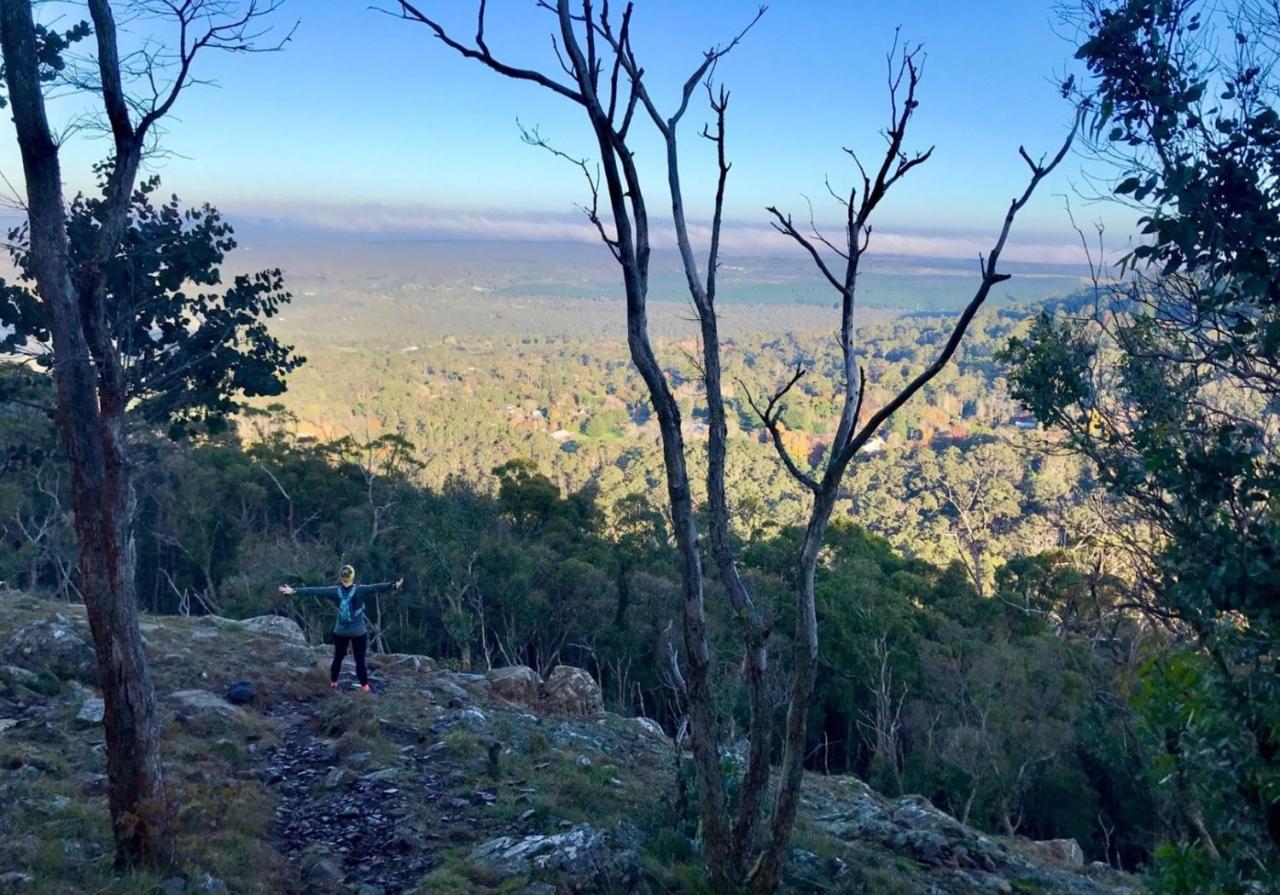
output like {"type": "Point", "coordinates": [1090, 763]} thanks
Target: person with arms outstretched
{"type": "Point", "coordinates": [349, 630]}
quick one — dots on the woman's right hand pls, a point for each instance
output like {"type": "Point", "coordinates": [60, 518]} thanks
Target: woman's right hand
{"type": "Point", "coordinates": [286, 590]}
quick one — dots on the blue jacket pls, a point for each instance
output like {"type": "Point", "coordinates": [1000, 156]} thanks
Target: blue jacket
{"type": "Point", "coordinates": [349, 602]}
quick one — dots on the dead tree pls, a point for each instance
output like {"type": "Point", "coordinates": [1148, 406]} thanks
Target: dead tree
{"type": "Point", "coordinates": [599, 72]}
{"type": "Point", "coordinates": [851, 431]}
{"type": "Point", "coordinates": [87, 365]}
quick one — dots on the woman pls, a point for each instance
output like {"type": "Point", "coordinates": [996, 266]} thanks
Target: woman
{"type": "Point", "coordinates": [349, 630]}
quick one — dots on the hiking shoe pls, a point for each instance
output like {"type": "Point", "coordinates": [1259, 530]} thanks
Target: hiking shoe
{"type": "Point", "coordinates": [365, 688]}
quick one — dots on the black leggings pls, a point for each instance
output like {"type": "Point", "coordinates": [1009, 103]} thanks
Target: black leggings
{"type": "Point", "coordinates": [358, 646]}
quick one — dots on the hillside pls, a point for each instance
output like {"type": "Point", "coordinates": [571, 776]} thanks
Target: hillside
{"type": "Point", "coordinates": [441, 782]}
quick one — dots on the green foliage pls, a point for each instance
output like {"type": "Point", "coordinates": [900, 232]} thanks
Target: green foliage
{"type": "Point", "coordinates": [1169, 387]}
{"type": "Point", "coordinates": [192, 345]}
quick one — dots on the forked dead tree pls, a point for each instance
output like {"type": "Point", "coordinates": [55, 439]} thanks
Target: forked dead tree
{"type": "Point", "coordinates": [87, 365]}
{"type": "Point", "coordinates": [598, 71]}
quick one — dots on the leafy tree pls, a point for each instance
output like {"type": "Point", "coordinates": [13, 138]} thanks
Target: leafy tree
{"type": "Point", "coordinates": [1170, 386]}
{"type": "Point", "coordinates": [188, 354]}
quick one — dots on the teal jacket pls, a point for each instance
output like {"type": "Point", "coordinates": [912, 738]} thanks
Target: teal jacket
{"type": "Point", "coordinates": [349, 602]}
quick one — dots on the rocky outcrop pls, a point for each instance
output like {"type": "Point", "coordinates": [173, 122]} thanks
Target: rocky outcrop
{"type": "Point", "coordinates": [275, 626]}
{"type": "Point", "coordinates": [52, 647]}
{"type": "Point", "coordinates": [581, 859]}
{"type": "Point", "coordinates": [571, 692]}
{"type": "Point", "coordinates": [1064, 851]}
{"type": "Point", "coordinates": [962, 860]}
{"type": "Point", "coordinates": [516, 683]}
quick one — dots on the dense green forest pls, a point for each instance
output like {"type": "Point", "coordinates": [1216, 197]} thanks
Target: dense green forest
{"type": "Point", "coordinates": [972, 651]}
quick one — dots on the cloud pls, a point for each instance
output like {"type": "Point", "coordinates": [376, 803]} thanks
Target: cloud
{"type": "Point", "coordinates": [422, 222]}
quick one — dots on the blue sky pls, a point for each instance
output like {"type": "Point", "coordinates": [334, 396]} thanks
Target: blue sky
{"type": "Point", "coordinates": [366, 122]}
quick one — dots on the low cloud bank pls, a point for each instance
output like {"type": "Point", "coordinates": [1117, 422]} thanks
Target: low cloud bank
{"type": "Point", "coordinates": [417, 222]}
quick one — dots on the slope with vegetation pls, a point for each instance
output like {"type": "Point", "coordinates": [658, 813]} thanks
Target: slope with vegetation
{"type": "Point", "coordinates": [441, 782]}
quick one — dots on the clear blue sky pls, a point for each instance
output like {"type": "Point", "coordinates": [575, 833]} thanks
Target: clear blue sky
{"type": "Point", "coordinates": [368, 121]}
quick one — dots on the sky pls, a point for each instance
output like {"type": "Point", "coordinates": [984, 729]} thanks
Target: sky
{"type": "Point", "coordinates": [366, 124]}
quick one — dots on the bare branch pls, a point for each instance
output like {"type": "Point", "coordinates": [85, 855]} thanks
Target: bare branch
{"type": "Point", "coordinates": [769, 416]}
{"type": "Point", "coordinates": [481, 54]}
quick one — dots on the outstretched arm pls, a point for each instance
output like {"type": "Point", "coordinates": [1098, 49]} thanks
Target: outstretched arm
{"type": "Point", "coordinates": [328, 593]}
{"type": "Point", "coordinates": [380, 588]}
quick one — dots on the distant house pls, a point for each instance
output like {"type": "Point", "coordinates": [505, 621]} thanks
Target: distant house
{"type": "Point", "coordinates": [873, 446]}
{"type": "Point", "coordinates": [1025, 421]}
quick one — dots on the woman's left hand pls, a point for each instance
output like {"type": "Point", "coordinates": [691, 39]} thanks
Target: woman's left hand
{"type": "Point", "coordinates": [399, 581]}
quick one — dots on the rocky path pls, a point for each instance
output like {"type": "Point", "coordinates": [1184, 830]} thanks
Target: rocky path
{"type": "Point", "coordinates": [342, 824]}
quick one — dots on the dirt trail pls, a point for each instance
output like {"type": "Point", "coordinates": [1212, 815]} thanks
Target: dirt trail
{"type": "Point", "coordinates": [343, 825]}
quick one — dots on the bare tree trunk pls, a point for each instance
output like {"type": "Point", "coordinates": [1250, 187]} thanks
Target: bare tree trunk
{"type": "Point", "coordinates": [90, 418]}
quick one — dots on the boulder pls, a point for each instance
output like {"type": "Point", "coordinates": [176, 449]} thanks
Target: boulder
{"type": "Point", "coordinates": [1064, 851]}
{"type": "Point", "coordinates": [275, 626]}
{"type": "Point", "coordinates": [92, 712]}
{"type": "Point", "coordinates": [581, 859]}
{"type": "Point", "coordinates": [16, 881]}
{"type": "Point", "coordinates": [517, 683]}
{"type": "Point", "coordinates": [650, 727]}
{"type": "Point", "coordinates": [202, 702]}
{"type": "Point", "coordinates": [571, 692]}
{"type": "Point", "coordinates": [53, 647]}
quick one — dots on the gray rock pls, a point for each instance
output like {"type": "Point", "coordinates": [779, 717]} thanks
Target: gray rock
{"type": "Point", "coordinates": [1064, 851]}
{"type": "Point", "coordinates": [517, 683]}
{"type": "Point", "coordinates": [15, 881]}
{"type": "Point", "coordinates": [402, 662]}
{"type": "Point", "coordinates": [571, 692]}
{"type": "Point", "coordinates": [6, 723]}
{"type": "Point", "coordinates": [275, 626]}
{"type": "Point", "coordinates": [322, 877]}
{"type": "Point", "coordinates": [649, 727]}
{"type": "Point", "coordinates": [53, 647]}
{"type": "Point", "coordinates": [92, 712]}
{"type": "Point", "coordinates": [202, 702]}
{"type": "Point", "coordinates": [581, 860]}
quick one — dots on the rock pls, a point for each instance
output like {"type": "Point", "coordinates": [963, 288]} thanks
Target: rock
{"type": "Point", "coordinates": [571, 692]}
{"type": "Point", "coordinates": [12, 675]}
{"type": "Point", "coordinates": [1064, 851]}
{"type": "Point", "coordinates": [581, 860]}
{"type": "Point", "coordinates": [53, 647]}
{"type": "Point", "coordinates": [15, 881]}
{"type": "Point", "coordinates": [323, 877]}
{"type": "Point", "coordinates": [807, 872]}
{"type": "Point", "coordinates": [6, 723]}
{"type": "Point", "coordinates": [240, 693]}
{"type": "Point", "coordinates": [517, 683]}
{"type": "Point", "coordinates": [335, 778]}
{"type": "Point", "coordinates": [211, 885]}
{"type": "Point", "coordinates": [369, 889]}
{"type": "Point", "coordinates": [275, 626]}
{"type": "Point", "coordinates": [202, 702]}
{"type": "Point", "coordinates": [173, 886]}
{"type": "Point", "coordinates": [402, 662]}
{"type": "Point", "coordinates": [92, 712]}
{"type": "Point", "coordinates": [650, 727]}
